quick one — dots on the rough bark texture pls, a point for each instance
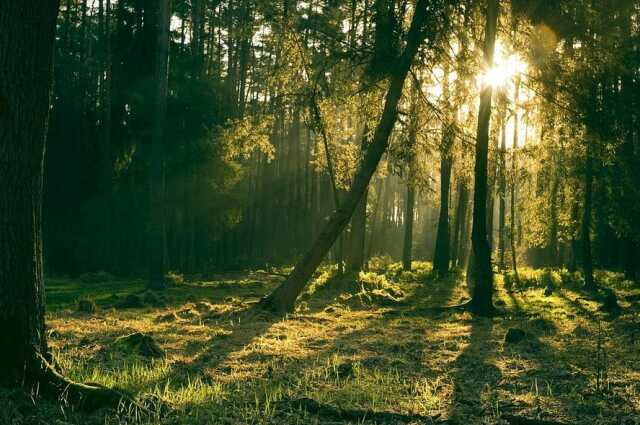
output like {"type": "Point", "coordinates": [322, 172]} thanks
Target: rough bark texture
{"type": "Point", "coordinates": [26, 57]}
{"type": "Point", "coordinates": [157, 183]}
{"type": "Point", "coordinates": [283, 298]}
{"type": "Point", "coordinates": [482, 294]}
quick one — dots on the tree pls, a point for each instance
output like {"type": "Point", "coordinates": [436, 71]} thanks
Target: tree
{"type": "Point", "coordinates": [26, 60]}
{"type": "Point", "coordinates": [157, 237]}
{"type": "Point", "coordinates": [482, 294]}
{"type": "Point", "coordinates": [283, 298]}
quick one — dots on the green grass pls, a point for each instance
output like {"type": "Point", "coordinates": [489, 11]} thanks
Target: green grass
{"type": "Point", "coordinates": [371, 341]}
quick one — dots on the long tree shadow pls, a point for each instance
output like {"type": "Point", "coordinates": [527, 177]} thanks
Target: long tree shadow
{"type": "Point", "coordinates": [474, 375]}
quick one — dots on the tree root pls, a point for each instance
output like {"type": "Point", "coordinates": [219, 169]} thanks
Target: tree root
{"type": "Point", "coordinates": [82, 396]}
{"type": "Point", "coordinates": [521, 420]}
{"type": "Point", "coordinates": [335, 413]}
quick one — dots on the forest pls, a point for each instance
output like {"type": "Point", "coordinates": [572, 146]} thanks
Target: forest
{"type": "Point", "coordinates": [320, 212]}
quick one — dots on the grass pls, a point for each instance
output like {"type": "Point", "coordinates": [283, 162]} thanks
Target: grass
{"type": "Point", "coordinates": [368, 341]}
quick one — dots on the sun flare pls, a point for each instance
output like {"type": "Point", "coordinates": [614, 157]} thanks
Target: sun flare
{"type": "Point", "coordinates": [505, 67]}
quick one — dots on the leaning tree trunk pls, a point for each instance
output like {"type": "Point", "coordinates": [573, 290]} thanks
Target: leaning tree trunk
{"type": "Point", "coordinates": [283, 298]}
{"type": "Point", "coordinates": [482, 294]}
{"type": "Point", "coordinates": [157, 235]}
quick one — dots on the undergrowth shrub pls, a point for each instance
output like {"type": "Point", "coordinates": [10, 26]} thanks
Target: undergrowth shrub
{"type": "Point", "coordinates": [174, 278]}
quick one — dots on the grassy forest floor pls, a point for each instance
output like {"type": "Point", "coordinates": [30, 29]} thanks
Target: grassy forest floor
{"type": "Point", "coordinates": [367, 348]}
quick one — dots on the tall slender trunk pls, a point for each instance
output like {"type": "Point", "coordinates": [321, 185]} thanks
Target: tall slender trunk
{"type": "Point", "coordinates": [157, 237]}
{"type": "Point", "coordinates": [502, 189]}
{"type": "Point", "coordinates": [408, 226]}
{"type": "Point", "coordinates": [283, 298]}
{"type": "Point", "coordinates": [458, 233]}
{"type": "Point", "coordinates": [587, 261]}
{"type": "Point", "coordinates": [514, 181]}
{"type": "Point", "coordinates": [482, 294]}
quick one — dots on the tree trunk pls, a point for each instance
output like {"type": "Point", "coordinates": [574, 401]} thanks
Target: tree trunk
{"type": "Point", "coordinates": [502, 189]}
{"type": "Point", "coordinates": [587, 261]}
{"type": "Point", "coordinates": [514, 182]}
{"type": "Point", "coordinates": [26, 58]}
{"type": "Point", "coordinates": [482, 294]}
{"type": "Point", "coordinates": [355, 259]}
{"type": "Point", "coordinates": [408, 226]}
{"type": "Point", "coordinates": [459, 223]}
{"type": "Point", "coordinates": [441, 256]}
{"type": "Point", "coordinates": [157, 182]}
{"type": "Point", "coordinates": [283, 298]}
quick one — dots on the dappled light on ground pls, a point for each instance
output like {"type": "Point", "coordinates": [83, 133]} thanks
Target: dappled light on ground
{"type": "Point", "coordinates": [227, 362]}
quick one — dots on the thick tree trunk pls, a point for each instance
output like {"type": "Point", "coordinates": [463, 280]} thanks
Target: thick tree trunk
{"type": "Point", "coordinates": [482, 294]}
{"type": "Point", "coordinates": [157, 183]}
{"type": "Point", "coordinates": [283, 298]}
{"type": "Point", "coordinates": [441, 256]}
{"type": "Point", "coordinates": [26, 57]}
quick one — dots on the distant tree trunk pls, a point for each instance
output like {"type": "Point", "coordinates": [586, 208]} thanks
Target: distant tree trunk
{"type": "Point", "coordinates": [355, 259]}
{"type": "Point", "coordinates": [572, 266]}
{"type": "Point", "coordinates": [514, 182]}
{"type": "Point", "coordinates": [461, 214]}
{"type": "Point", "coordinates": [482, 294]}
{"type": "Point", "coordinates": [376, 217]}
{"type": "Point", "coordinates": [107, 166]}
{"type": "Point", "coordinates": [410, 199]}
{"type": "Point", "coordinates": [553, 226]}
{"type": "Point", "coordinates": [283, 298]}
{"type": "Point", "coordinates": [157, 239]}
{"type": "Point", "coordinates": [587, 261]}
{"type": "Point", "coordinates": [502, 189]}
{"type": "Point", "coordinates": [630, 265]}
{"type": "Point", "coordinates": [408, 226]}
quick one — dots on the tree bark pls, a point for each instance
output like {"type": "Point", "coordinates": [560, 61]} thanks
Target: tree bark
{"type": "Point", "coordinates": [482, 294]}
{"type": "Point", "coordinates": [157, 235]}
{"type": "Point", "coordinates": [283, 298]}
{"type": "Point", "coordinates": [26, 61]}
